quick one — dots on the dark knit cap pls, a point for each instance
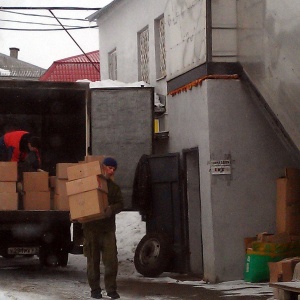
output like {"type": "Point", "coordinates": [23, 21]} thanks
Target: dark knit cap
{"type": "Point", "coordinates": [110, 162]}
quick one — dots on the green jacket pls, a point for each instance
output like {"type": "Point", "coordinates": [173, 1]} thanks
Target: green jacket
{"type": "Point", "coordinates": [115, 201]}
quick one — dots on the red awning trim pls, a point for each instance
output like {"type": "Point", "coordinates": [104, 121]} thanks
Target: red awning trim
{"type": "Point", "coordinates": [199, 81]}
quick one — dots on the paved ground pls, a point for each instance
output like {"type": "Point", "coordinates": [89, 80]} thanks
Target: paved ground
{"type": "Point", "coordinates": [24, 279]}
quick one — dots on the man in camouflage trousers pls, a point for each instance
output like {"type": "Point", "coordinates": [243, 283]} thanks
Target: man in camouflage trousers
{"type": "Point", "coordinates": [100, 238]}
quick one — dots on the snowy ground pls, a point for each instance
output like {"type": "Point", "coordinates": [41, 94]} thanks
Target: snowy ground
{"type": "Point", "coordinates": [70, 282]}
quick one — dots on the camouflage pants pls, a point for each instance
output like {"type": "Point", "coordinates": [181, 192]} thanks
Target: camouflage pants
{"type": "Point", "coordinates": [95, 245]}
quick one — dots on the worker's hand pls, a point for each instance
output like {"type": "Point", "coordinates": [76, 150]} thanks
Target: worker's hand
{"type": "Point", "coordinates": [108, 212]}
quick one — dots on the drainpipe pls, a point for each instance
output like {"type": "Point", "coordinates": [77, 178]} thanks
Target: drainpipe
{"type": "Point", "coordinates": [208, 31]}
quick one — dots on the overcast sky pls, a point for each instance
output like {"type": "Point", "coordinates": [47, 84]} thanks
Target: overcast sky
{"type": "Point", "coordinates": [42, 48]}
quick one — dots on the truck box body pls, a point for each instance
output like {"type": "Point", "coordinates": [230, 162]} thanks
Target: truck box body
{"type": "Point", "coordinates": [74, 121]}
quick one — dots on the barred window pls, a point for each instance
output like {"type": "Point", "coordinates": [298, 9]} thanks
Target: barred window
{"type": "Point", "coordinates": [144, 55]}
{"type": "Point", "coordinates": [112, 65]}
{"type": "Point", "coordinates": [161, 57]}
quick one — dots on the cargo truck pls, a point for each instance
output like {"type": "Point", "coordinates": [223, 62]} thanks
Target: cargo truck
{"type": "Point", "coordinates": [73, 120]}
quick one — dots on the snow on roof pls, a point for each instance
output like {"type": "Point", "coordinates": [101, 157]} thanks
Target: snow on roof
{"type": "Point", "coordinates": [4, 72]}
{"type": "Point", "coordinates": [108, 83]}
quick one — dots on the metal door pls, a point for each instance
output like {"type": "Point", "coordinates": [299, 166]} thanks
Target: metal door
{"type": "Point", "coordinates": [193, 210]}
{"type": "Point", "coordinates": [167, 207]}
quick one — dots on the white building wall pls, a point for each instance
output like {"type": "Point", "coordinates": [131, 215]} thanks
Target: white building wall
{"type": "Point", "coordinates": [119, 28]}
{"type": "Point", "coordinates": [268, 49]}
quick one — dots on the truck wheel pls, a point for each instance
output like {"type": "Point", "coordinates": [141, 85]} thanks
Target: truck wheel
{"type": "Point", "coordinates": [153, 254]}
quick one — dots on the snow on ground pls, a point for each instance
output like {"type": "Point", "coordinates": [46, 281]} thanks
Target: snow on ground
{"type": "Point", "coordinates": [130, 230]}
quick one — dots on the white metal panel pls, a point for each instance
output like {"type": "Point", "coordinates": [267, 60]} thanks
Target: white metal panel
{"type": "Point", "coordinates": [185, 35]}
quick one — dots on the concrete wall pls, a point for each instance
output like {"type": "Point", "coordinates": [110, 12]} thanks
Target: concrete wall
{"type": "Point", "coordinates": [222, 119]}
{"type": "Point", "coordinates": [268, 48]}
{"type": "Point", "coordinates": [122, 126]}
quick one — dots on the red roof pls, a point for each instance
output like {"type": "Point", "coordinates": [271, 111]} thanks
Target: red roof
{"type": "Point", "coordinates": [74, 68]}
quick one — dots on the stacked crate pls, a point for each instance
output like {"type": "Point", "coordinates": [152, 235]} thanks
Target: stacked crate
{"type": "Point", "coordinates": [8, 180]}
{"type": "Point", "coordinates": [87, 191]}
{"type": "Point", "coordinates": [37, 191]}
{"type": "Point", "coordinates": [61, 201]}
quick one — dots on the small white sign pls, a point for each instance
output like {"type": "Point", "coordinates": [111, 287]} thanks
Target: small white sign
{"type": "Point", "coordinates": [220, 167]}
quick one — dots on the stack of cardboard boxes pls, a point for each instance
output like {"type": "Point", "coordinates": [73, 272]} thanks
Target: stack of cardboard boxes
{"type": "Point", "coordinates": [87, 191]}
{"type": "Point", "coordinates": [61, 201]}
{"type": "Point", "coordinates": [274, 256]}
{"type": "Point", "coordinates": [8, 180]}
{"type": "Point", "coordinates": [36, 191]}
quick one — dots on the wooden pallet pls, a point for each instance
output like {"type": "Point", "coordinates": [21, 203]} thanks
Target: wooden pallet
{"type": "Point", "coordinates": [286, 290]}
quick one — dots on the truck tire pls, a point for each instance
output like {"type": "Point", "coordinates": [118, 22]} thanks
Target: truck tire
{"type": "Point", "coordinates": [153, 254]}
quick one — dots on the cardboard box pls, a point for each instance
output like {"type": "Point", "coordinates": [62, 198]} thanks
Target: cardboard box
{"type": "Point", "coordinates": [36, 201]}
{"type": "Point", "coordinates": [283, 270]}
{"type": "Point", "coordinates": [102, 181]}
{"type": "Point", "coordinates": [275, 271]}
{"type": "Point", "coordinates": [36, 181]}
{"type": "Point", "coordinates": [8, 201]}
{"type": "Point", "coordinates": [288, 267]}
{"type": "Point", "coordinates": [8, 187]}
{"type": "Point", "coordinates": [60, 187]}
{"type": "Point", "coordinates": [86, 184]}
{"type": "Point", "coordinates": [84, 170]}
{"type": "Point", "coordinates": [8, 171]}
{"type": "Point", "coordinates": [61, 202]}
{"type": "Point", "coordinates": [61, 170]}
{"type": "Point", "coordinates": [88, 204]}
{"type": "Point", "coordinates": [82, 185]}
{"type": "Point", "coordinates": [288, 203]}
{"type": "Point", "coordinates": [90, 158]}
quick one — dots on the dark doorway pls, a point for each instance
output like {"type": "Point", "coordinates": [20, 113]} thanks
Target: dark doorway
{"type": "Point", "coordinates": [193, 206]}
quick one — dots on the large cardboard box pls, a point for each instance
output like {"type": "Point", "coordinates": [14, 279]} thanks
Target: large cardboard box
{"type": "Point", "coordinates": [61, 202]}
{"type": "Point", "coordinates": [86, 184]}
{"type": "Point", "coordinates": [288, 202]}
{"type": "Point", "coordinates": [36, 200]}
{"type": "Point", "coordinates": [8, 171]}
{"type": "Point", "coordinates": [8, 201]}
{"type": "Point", "coordinates": [36, 181]}
{"type": "Point", "coordinates": [8, 187]}
{"type": "Point", "coordinates": [61, 170]}
{"type": "Point", "coordinates": [60, 186]}
{"type": "Point", "coordinates": [84, 170]}
{"type": "Point", "coordinates": [90, 158]}
{"type": "Point", "coordinates": [88, 204]}
{"type": "Point", "coordinates": [283, 270]}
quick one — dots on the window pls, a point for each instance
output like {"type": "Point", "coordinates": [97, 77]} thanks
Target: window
{"type": "Point", "coordinates": [144, 55]}
{"type": "Point", "coordinates": [112, 65]}
{"type": "Point", "coordinates": [160, 48]}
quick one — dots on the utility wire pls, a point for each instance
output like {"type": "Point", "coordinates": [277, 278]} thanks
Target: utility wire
{"type": "Point", "coordinates": [36, 23]}
{"type": "Point", "coordinates": [50, 8]}
{"type": "Point", "coordinates": [74, 41]}
{"type": "Point", "coordinates": [42, 16]}
{"type": "Point", "coordinates": [57, 29]}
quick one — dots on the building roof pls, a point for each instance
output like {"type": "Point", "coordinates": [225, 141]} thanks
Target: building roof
{"type": "Point", "coordinates": [75, 68]}
{"type": "Point", "coordinates": [13, 68]}
{"type": "Point", "coordinates": [96, 15]}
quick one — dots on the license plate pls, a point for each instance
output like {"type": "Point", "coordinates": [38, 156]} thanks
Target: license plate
{"type": "Point", "coordinates": [23, 250]}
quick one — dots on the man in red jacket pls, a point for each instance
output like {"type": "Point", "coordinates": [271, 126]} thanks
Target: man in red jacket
{"type": "Point", "coordinates": [16, 145]}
